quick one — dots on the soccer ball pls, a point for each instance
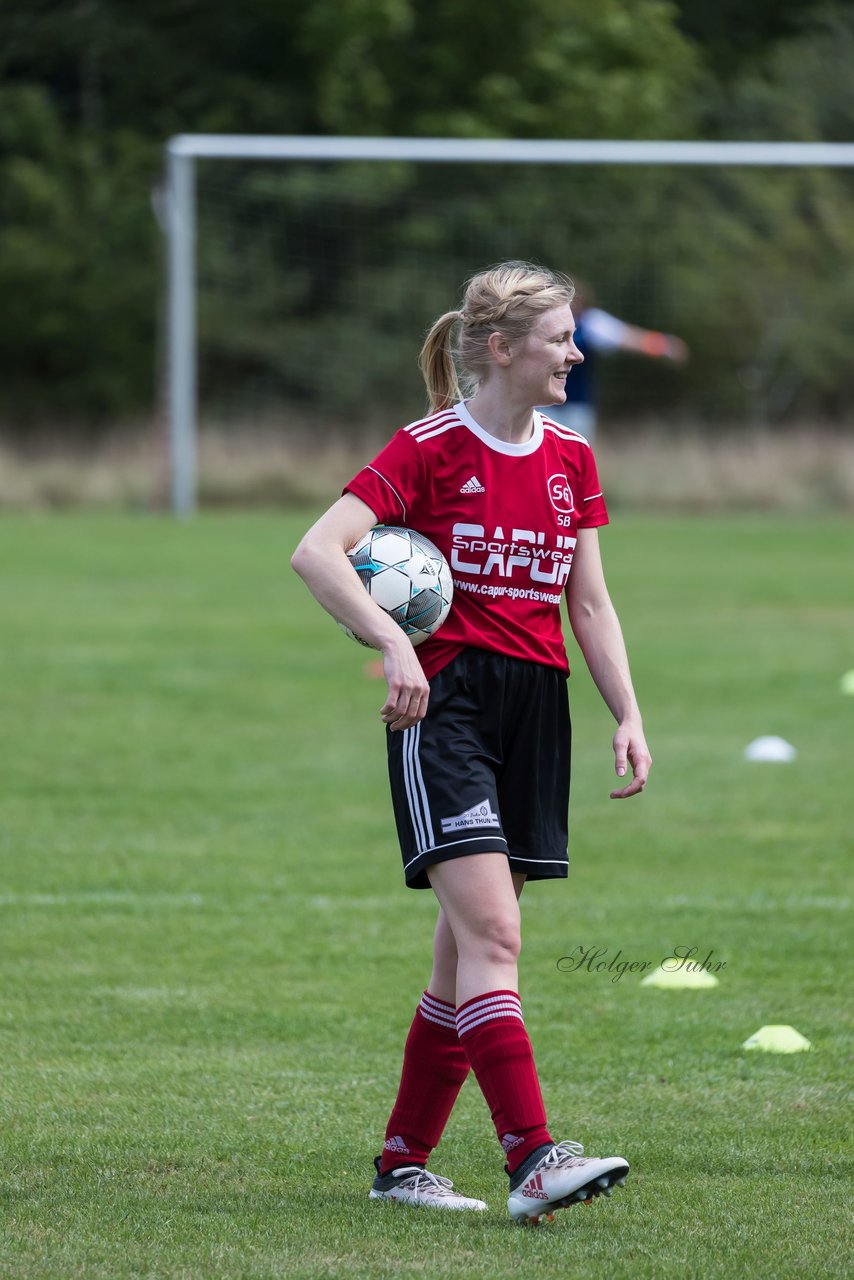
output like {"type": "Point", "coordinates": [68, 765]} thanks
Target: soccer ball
{"type": "Point", "coordinates": [406, 575]}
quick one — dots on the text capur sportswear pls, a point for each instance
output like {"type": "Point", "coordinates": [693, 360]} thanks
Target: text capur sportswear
{"type": "Point", "coordinates": [506, 518]}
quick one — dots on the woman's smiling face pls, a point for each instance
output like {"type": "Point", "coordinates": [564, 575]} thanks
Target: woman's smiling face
{"type": "Point", "coordinates": [542, 360]}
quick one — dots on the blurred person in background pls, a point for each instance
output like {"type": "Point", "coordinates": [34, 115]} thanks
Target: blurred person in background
{"type": "Point", "coordinates": [598, 333]}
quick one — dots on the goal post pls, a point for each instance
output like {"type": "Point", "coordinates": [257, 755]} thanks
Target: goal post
{"type": "Point", "coordinates": [183, 152]}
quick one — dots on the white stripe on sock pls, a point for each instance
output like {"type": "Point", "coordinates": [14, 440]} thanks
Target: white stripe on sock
{"type": "Point", "coordinates": [440, 1007]}
{"type": "Point", "coordinates": [487, 1010]}
{"type": "Point", "coordinates": [482, 1011]}
{"type": "Point", "coordinates": [435, 1011]}
{"type": "Point", "coordinates": [484, 1002]}
{"type": "Point", "coordinates": [448, 1023]}
{"type": "Point", "coordinates": [464, 1028]}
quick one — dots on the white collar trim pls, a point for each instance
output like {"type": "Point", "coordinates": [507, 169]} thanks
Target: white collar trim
{"type": "Point", "coordinates": [501, 446]}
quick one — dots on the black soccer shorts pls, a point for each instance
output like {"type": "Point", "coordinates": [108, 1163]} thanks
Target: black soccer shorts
{"type": "Point", "coordinates": [487, 769]}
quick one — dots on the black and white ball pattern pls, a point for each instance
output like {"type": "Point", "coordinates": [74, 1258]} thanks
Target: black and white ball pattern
{"type": "Point", "coordinates": [407, 576]}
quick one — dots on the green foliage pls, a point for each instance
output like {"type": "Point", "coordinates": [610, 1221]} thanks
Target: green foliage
{"type": "Point", "coordinates": [732, 34]}
{"type": "Point", "coordinates": [76, 264]}
{"type": "Point", "coordinates": [758, 268]}
{"type": "Point", "coordinates": [323, 280]}
{"type": "Point", "coordinates": [90, 92]}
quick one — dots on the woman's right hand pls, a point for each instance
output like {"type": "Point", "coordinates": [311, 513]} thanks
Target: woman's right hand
{"type": "Point", "coordinates": [408, 689]}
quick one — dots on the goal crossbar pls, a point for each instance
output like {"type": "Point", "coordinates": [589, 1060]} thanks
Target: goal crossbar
{"type": "Point", "coordinates": [183, 150]}
{"type": "Point", "coordinates": [508, 150]}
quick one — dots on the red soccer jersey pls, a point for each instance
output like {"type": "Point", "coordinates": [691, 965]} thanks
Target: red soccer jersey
{"type": "Point", "coordinates": [505, 516]}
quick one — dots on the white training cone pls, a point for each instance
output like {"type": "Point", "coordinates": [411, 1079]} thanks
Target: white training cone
{"type": "Point", "coordinates": [776, 750]}
{"type": "Point", "coordinates": [846, 684]}
{"type": "Point", "coordinates": [675, 973]}
{"type": "Point", "coordinates": [777, 1039]}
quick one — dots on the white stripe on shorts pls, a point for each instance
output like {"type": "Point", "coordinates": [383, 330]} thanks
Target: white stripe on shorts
{"type": "Point", "coordinates": [416, 794]}
{"type": "Point", "coordinates": [450, 844]}
{"type": "Point", "coordinates": [546, 862]}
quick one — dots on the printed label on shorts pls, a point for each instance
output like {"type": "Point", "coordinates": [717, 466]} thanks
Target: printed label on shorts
{"type": "Point", "coordinates": [480, 815]}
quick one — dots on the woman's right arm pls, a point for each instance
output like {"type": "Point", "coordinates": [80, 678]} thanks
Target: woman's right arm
{"type": "Point", "coordinates": [321, 562]}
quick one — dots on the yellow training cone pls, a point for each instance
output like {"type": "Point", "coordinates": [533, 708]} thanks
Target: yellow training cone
{"type": "Point", "coordinates": [777, 1039]}
{"type": "Point", "coordinates": [674, 973]}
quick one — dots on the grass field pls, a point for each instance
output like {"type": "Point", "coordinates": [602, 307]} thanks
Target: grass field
{"type": "Point", "coordinates": [209, 960]}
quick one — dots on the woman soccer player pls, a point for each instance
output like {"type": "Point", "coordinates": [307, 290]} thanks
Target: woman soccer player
{"type": "Point", "coordinates": [477, 720]}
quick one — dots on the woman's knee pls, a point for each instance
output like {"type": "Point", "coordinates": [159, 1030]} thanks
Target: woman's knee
{"type": "Point", "coordinates": [478, 899]}
{"type": "Point", "coordinates": [497, 938]}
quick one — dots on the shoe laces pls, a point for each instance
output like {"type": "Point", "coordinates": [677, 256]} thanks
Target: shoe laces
{"type": "Point", "coordinates": [421, 1180]}
{"type": "Point", "coordinates": [562, 1154]}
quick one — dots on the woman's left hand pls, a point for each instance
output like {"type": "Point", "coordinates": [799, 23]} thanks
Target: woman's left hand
{"type": "Point", "coordinates": [630, 749]}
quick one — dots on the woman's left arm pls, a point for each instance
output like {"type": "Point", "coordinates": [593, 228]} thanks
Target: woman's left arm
{"type": "Point", "coordinates": [596, 627]}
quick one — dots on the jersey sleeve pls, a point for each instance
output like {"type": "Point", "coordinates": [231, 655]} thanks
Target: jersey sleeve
{"type": "Point", "coordinates": [393, 482]}
{"type": "Point", "coordinates": [592, 509]}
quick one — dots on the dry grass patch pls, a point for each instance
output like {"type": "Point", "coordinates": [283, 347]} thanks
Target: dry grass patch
{"type": "Point", "coordinates": [799, 468]}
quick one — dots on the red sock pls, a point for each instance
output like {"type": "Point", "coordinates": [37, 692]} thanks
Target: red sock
{"type": "Point", "coordinates": [434, 1068]}
{"type": "Point", "coordinates": [493, 1035]}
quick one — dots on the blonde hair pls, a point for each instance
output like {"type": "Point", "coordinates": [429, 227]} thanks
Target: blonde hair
{"type": "Point", "coordinates": [507, 299]}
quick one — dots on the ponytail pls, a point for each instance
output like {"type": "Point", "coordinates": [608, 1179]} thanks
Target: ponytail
{"type": "Point", "coordinates": [436, 362]}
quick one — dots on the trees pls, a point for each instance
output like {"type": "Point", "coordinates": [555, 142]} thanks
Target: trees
{"type": "Point", "coordinates": [77, 265]}
{"type": "Point", "coordinates": [90, 91]}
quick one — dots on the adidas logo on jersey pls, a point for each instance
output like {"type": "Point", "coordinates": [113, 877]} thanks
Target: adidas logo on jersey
{"type": "Point", "coordinates": [473, 486]}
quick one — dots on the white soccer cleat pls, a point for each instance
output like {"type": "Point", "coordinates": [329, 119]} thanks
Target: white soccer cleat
{"type": "Point", "coordinates": [561, 1177]}
{"type": "Point", "coordinates": [414, 1185]}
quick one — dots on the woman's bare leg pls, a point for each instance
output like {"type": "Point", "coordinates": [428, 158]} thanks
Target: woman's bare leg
{"type": "Point", "coordinates": [480, 922]}
{"type": "Point", "coordinates": [443, 979]}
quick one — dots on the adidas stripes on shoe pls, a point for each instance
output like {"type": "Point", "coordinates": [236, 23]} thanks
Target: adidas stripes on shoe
{"type": "Point", "coordinates": [411, 1184]}
{"type": "Point", "coordinates": [556, 1177]}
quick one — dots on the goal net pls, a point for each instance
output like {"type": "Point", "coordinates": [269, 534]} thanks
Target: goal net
{"type": "Point", "coordinates": [315, 281]}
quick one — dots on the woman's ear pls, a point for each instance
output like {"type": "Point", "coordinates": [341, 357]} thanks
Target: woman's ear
{"type": "Point", "coordinates": [500, 349]}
